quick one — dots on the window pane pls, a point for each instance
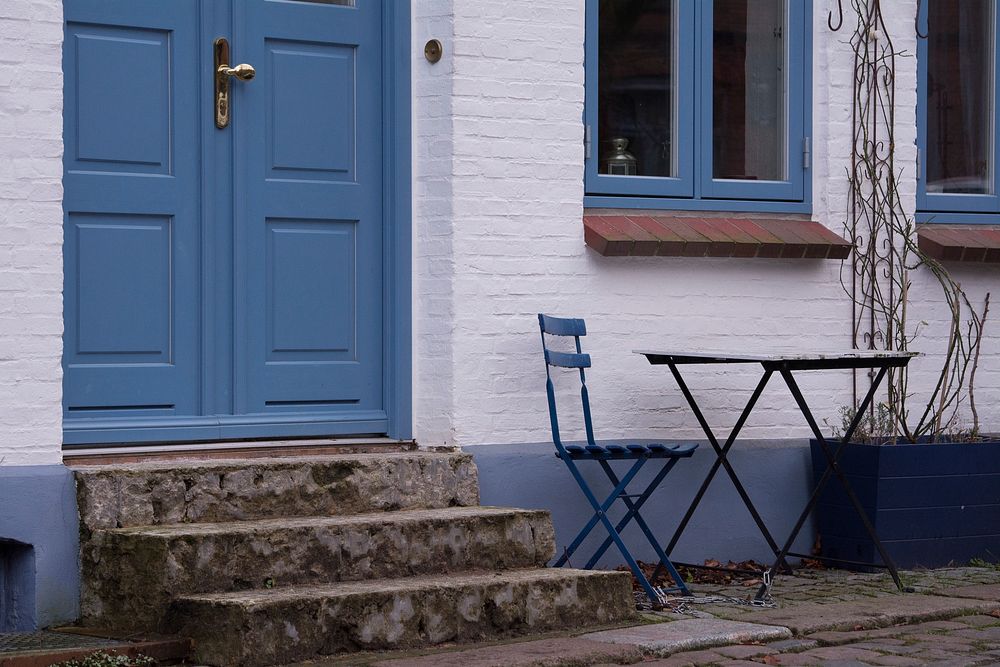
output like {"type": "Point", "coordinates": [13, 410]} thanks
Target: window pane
{"type": "Point", "coordinates": [960, 96]}
{"type": "Point", "coordinates": [748, 95]}
{"type": "Point", "coordinates": [636, 120]}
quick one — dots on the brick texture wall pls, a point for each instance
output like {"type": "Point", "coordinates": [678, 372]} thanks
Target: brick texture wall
{"type": "Point", "coordinates": [498, 237]}
{"type": "Point", "coordinates": [515, 247]}
{"type": "Point", "coordinates": [433, 233]}
{"type": "Point", "coordinates": [31, 276]}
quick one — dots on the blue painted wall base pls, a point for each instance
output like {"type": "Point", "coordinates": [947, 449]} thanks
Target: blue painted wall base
{"type": "Point", "coordinates": [39, 547]}
{"type": "Point", "coordinates": [777, 475]}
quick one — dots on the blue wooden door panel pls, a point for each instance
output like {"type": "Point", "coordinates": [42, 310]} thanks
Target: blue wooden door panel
{"type": "Point", "coordinates": [309, 209]}
{"type": "Point", "coordinates": [224, 283]}
{"type": "Point", "coordinates": [131, 208]}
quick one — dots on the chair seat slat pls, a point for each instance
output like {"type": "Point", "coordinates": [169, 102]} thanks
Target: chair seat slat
{"type": "Point", "coordinates": [631, 452]}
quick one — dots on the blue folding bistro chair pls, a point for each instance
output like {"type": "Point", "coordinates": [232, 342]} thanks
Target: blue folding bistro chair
{"type": "Point", "coordinates": [639, 454]}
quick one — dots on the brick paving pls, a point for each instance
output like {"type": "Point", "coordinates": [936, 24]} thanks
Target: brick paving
{"type": "Point", "coordinates": [836, 618]}
{"type": "Point", "coordinates": [870, 624]}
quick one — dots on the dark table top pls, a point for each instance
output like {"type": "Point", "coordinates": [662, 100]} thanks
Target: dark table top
{"type": "Point", "coordinates": [787, 358]}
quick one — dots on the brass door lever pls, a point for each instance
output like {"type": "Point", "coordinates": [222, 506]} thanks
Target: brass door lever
{"type": "Point", "coordinates": [223, 74]}
{"type": "Point", "coordinates": [242, 72]}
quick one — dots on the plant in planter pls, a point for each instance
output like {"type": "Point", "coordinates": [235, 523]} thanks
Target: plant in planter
{"type": "Point", "coordinates": [929, 481]}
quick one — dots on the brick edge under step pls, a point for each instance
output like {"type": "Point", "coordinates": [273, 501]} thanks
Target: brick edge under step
{"type": "Point", "coordinates": [283, 625]}
{"type": "Point", "coordinates": [162, 649]}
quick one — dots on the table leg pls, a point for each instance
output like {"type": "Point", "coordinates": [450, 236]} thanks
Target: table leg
{"type": "Point", "coordinates": [722, 460]}
{"type": "Point", "coordinates": [834, 468]}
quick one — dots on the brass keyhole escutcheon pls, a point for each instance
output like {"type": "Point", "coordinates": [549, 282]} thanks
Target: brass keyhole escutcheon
{"type": "Point", "coordinates": [223, 75]}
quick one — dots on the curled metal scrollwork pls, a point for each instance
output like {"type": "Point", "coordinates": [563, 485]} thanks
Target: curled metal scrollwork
{"type": "Point", "coordinates": [877, 276]}
{"type": "Point", "coordinates": [921, 34]}
{"type": "Point", "coordinates": [840, 17]}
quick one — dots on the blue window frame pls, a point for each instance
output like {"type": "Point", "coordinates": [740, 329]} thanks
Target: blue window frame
{"type": "Point", "coordinates": [957, 112]}
{"type": "Point", "coordinates": [698, 104]}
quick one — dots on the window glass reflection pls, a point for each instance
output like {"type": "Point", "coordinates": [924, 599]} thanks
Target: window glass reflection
{"type": "Point", "coordinates": [749, 90]}
{"type": "Point", "coordinates": [960, 96]}
{"type": "Point", "coordinates": [636, 119]}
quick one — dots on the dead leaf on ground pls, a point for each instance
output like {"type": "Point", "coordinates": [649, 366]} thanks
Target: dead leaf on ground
{"type": "Point", "coordinates": [728, 574]}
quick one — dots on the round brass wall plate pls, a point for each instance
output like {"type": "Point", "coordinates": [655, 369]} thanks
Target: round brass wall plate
{"type": "Point", "coordinates": [433, 50]}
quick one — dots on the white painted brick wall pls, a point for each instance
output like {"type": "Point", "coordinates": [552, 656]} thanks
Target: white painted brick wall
{"type": "Point", "coordinates": [31, 275]}
{"type": "Point", "coordinates": [515, 247]}
{"type": "Point", "coordinates": [433, 233]}
{"type": "Point", "coordinates": [498, 205]}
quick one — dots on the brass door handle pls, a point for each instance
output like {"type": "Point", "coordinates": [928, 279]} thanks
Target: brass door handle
{"type": "Point", "coordinates": [242, 72]}
{"type": "Point", "coordinates": [223, 74]}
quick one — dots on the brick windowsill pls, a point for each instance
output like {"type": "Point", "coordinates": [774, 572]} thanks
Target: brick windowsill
{"type": "Point", "coordinates": [960, 243]}
{"type": "Point", "coordinates": [647, 234]}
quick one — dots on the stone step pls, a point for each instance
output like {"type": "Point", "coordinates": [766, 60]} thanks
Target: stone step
{"type": "Point", "coordinates": [167, 492]}
{"type": "Point", "coordinates": [283, 625]}
{"type": "Point", "coordinates": [130, 575]}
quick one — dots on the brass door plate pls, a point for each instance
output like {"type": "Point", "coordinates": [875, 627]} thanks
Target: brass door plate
{"type": "Point", "coordinates": [221, 83]}
{"type": "Point", "coordinates": [433, 50]}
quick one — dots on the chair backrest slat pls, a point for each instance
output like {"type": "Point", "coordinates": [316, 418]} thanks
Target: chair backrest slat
{"type": "Point", "coordinates": [567, 359]}
{"type": "Point", "coordinates": [562, 326]}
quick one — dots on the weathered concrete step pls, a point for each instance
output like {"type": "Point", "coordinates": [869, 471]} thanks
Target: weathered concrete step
{"type": "Point", "coordinates": [282, 625]}
{"type": "Point", "coordinates": [167, 492]}
{"type": "Point", "coordinates": [131, 574]}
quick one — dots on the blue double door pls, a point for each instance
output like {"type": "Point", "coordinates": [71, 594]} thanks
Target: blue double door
{"type": "Point", "coordinates": [223, 282]}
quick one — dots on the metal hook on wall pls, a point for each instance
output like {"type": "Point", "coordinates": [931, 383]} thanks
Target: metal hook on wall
{"type": "Point", "coordinates": [916, 21]}
{"type": "Point", "coordinates": [840, 17]}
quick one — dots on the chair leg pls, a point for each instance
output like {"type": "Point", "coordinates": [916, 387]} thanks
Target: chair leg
{"type": "Point", "coordinates": [600, 515]}
{"type": "Point", "coordinates": [599, 509]}
{"type": "Point", "coordinates": [633, 507]}
{"type": "Point", "coordinates": [634, 515]}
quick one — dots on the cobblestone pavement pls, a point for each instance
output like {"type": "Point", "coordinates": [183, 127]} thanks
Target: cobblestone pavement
{"type": "Point", "coordinates": [964, 640]}
{"type": "Point", "coordinates": [833, 617]}
{"type": "Point", "coordinates": [854, 632]}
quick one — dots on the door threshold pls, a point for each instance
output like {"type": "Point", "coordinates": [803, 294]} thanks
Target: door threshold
{"type": "Point", "coordinates": [249, 449]}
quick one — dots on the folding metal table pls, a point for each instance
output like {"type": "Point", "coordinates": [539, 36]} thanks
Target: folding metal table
{"type": "Point", "coordinates": [785, 363]}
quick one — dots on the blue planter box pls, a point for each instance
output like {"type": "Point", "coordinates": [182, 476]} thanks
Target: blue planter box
{"type": "Point", "coordinates": [932, 505]}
